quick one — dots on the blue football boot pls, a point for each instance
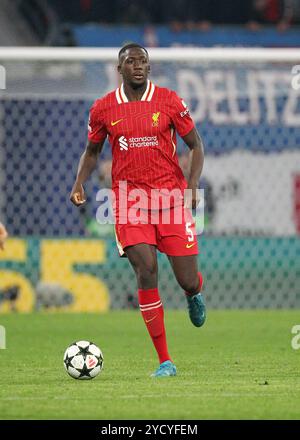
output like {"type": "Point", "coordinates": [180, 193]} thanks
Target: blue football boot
{"type": "Point", "coordinates": [197, 309]}
{"type": "Point", "coordinates": [165, 369]}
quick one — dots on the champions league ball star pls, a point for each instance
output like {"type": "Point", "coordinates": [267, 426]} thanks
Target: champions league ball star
{"type": "Point", "coordinates": [83, 360]}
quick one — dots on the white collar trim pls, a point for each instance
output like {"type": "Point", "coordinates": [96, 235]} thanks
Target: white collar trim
{"type": "Point", "coordinates": [147, 96]}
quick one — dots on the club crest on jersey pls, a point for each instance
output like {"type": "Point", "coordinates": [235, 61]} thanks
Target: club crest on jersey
{"type": "Point", "coordinates": [155, 118]}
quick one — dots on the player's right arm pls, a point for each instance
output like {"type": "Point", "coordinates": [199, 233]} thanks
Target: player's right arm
{"type": "Point", "coordinates": [87, 164]}
{"type": "Point", "coordinates": [96, 136]}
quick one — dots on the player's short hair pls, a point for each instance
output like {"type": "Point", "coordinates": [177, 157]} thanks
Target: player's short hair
{"type": "Point", "coordinates": [131, 46]}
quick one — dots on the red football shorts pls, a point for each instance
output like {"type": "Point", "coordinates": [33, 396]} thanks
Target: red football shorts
{"type": "Point", "coordinates": [161, 229]}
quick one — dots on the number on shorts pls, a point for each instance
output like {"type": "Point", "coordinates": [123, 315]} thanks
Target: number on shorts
{"type": "Point", "coordinates": [189, 231]}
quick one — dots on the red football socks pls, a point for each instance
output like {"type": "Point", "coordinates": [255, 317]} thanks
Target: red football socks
{"type": "Point", "coordinates": [153, 315]}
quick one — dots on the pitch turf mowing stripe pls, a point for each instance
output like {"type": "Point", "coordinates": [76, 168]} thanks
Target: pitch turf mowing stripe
{"type": "Point", "coordinates": [239, 365]}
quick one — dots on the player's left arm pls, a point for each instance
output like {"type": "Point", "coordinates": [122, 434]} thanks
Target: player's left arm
{"type": "Point", "coordinates": [195, 144]}
{"type": "Point", "coordinates": [185, 127]}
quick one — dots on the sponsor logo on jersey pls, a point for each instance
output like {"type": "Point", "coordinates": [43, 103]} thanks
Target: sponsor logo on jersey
{"type": "Point", "coordinates": [123, 143]}
{"type": "Point", "coordinates": [155, 118]}
{"type": "Point", "coordinates": [138, 142]}
{"type": "Point", "coordinates": [145, 141]}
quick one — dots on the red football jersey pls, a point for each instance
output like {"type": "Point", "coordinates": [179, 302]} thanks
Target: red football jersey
{"type": "Point", "coordinates": [142, 135]}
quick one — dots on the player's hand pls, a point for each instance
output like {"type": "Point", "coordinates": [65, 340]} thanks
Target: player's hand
{"type": "Point", "coordinates": [3, 235]}
{"type": "Point", "coordinates": [77, 195]}
{"type": "Point", "coordinates": [192, 197]}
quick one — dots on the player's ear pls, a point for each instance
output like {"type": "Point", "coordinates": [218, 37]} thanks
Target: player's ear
{"type": "Point", "coordinates": [119, 68]}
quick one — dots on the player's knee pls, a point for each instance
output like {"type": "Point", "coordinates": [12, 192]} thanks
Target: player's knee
{"type": "Point", "coordinates": [190, 285]}
{"type": "Point", "coordinates": [147, 274]}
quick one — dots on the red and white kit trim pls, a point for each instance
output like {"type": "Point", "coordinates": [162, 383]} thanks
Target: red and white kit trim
{"type": "Point", "coordinates": [147, 96]}
{"type": "Point", "coordinates": [150, 306]}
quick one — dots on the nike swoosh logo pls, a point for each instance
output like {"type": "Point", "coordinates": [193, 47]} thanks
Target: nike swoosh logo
{"type": "Point", "coordinates": [188, 246]}
{"type": "Point", "coordinates": [116, 122]}
{"type": "Point", "coordinates": [149, 320]}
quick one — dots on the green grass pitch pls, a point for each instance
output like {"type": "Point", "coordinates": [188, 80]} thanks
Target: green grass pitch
{"type": "Point", "coordinates": [240, 365]}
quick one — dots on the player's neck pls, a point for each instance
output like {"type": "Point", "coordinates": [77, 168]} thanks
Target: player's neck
{"type": "Point", "coordinates": [135, 94]}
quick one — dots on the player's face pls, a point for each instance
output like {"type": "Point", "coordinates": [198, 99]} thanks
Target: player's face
{"type": "Point", "coordinates": [134, 67]}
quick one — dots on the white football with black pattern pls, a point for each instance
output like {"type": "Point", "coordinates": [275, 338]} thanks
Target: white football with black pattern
{"type": "Point", "coordinates": [83, 360]}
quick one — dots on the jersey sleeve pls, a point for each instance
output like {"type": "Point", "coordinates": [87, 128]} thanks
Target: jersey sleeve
{"type": "Point", "coordinates": [181, 117]}
{"type": "Point", "coordinates": [96, 127]}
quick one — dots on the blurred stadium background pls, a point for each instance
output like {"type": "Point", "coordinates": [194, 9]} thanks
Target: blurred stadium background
{"type": "Point", "coordinates": [248, 113]}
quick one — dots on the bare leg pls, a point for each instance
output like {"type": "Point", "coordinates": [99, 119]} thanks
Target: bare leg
{"type": "Point", "coordinates": [143, 259]}
{"type": "Point", "coordinates": [186, 272]}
